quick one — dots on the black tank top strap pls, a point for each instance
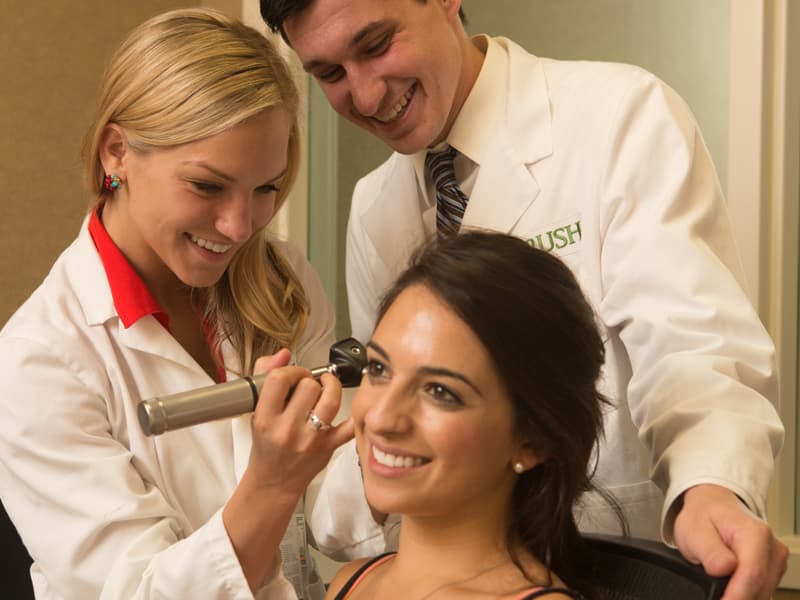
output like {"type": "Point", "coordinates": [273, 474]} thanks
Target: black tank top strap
{"type": "Point", "coordinates": [359, 572]}
{"type": "Point", "coordinates": [545, 591]}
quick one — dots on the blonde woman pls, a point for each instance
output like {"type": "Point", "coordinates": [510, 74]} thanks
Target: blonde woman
{"type": "Point", "coordinates": [172, 284]}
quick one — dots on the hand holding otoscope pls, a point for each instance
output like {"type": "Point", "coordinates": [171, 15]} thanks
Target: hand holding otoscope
{"type": "Point", "coordinates": [157, 415]}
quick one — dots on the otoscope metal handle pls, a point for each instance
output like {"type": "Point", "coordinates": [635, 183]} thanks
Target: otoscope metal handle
{"type": "Point", "coordinates": [224, 400]}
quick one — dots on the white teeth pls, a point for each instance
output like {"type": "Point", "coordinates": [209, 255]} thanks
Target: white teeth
{"type": "Point", "coordinates": [391, 460]}
{"type": "Point", "coordinates": [397, 109]}
{"type": "Point", "coordinates": [214, 247]}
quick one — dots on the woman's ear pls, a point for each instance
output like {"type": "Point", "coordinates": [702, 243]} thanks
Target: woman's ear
{"type": "Point", "coordinates": [525, 458]}
{"type": "Point", "coordinates": [114, 150]}
{"type": "Point", "coordinates": [451, 8]}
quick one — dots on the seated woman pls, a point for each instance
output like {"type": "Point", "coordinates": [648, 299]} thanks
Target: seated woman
{"type": "Point", "coordinates": [170, 285]}
{"type": "Point", "coordinates": [476, 421]}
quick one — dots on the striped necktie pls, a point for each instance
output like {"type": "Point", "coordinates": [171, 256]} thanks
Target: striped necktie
{"type": "Point", "coordinates": [450, 200]}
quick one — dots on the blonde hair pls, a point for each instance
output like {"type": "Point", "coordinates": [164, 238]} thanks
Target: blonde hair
{"type": "Point", "coordinates": [190, 74]}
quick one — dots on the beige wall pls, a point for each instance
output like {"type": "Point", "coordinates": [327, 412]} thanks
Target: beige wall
{"type": "Point", "coordinates": [685, 42]}
{"type": "Point", "coordinates": [52, 56]}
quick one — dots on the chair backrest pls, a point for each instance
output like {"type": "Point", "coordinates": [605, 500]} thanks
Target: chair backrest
{"type": "Point", "coordinates": [636, 569]}
{"type": "Point", "coordinates": [16, 563]}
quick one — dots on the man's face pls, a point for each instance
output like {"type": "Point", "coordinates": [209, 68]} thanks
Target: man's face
{"type": "Point", "coordinates": [393, 67]}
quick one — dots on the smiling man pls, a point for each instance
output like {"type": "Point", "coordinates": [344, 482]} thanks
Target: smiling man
{"type": "Point", "coordinates": [403, 75]}
{"type": "Point", "coordinates": [604, 165]}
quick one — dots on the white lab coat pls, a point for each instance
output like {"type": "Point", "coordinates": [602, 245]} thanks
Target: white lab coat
{"type": "Point", "coordinates": [104, 510]}
{"type": "Point", "coordinates": [604, 165]}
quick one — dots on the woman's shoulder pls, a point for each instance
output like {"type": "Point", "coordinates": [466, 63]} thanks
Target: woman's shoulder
{"type": "Point", "coordinates": [341, 581]}
{"type": "Point", "coordinates": [55, 315]}
{"type": "Point", "coordinates": [349, 575]}
{"type": "Point", "coordinates": [550, 585]}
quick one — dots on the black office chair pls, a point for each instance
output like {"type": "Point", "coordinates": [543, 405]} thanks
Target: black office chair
{"type": "Point", "coordinates": [635, 569]}
{"type": "Point", "coordinates": [15, 562]}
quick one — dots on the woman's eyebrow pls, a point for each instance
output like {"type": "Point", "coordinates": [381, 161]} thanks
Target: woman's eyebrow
{"type": "Point", "coordinates": [208, 167]}
{"type": "Point", "coordinates": [453, 374]}
{"type": "Point", "coordinates": [429, 370]}
{"type": "Point", "coordinates": [377, 347]}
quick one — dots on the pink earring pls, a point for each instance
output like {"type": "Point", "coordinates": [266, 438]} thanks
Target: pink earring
{"type": "Point", "coordinates": [112, 182]}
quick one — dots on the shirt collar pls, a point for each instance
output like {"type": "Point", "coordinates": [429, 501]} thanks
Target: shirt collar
{"type": "Point", "coordinates": [132, 299]}
{"type": "Point", "coordinates": [481, 115]}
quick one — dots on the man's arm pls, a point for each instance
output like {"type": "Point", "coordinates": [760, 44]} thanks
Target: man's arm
{"type": "Point", "coordinates": [703, 384]}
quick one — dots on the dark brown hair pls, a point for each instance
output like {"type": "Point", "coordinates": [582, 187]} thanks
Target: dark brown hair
{"type": "Point", "coordinates": [275, 13]}
{"type": "Point", "coordinates": [530, 314]}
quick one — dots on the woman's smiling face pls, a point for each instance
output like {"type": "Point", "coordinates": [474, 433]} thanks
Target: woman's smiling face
{"type": "Point", "coordinates": [183, 212]}
{"type": "Point", "coordinates": [434, 424]}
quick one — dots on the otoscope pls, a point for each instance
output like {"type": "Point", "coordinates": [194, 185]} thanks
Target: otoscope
{"type": "Point", "coordinates": [347, 358]}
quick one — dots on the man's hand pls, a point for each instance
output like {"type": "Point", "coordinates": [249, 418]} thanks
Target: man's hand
{"type": "Point", "coordinates": [715, 529]}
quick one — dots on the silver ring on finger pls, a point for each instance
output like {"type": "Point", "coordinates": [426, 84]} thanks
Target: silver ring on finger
{"type": "Point", "coordinates": [316, 423]}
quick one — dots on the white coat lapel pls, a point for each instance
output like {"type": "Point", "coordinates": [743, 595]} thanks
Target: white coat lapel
{"type": "Point", "coordinates": [89, 283]}
{"type": "Point", "coordinates": [506, 186]}
{"type": "Point", "coordinates": [393, 221]}
{"type": "Point", "coordinates": [504, 190]}
{"type": "Point", "coordinates": [148, 335]}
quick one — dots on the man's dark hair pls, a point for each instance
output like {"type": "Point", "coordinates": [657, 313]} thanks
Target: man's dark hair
{"type": "Point", "coordinates": [275, 13]}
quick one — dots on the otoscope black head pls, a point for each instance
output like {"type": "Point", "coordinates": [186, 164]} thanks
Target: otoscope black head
{"type": "Point", "coordinates": [350, 358]}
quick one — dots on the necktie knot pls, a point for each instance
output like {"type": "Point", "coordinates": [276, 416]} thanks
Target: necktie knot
{"type": "Point", "coordinates": [450, 200]}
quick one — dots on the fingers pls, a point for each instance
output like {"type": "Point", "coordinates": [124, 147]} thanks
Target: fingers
{"type": "Point", "coordinates": [762, 561]}
{"type": "Point", "coordinates": [705, 546]}
{"type": "Point", "coordinates": [696, 534]}
{"type": "Point", "coordinates": [329, 400]}
{"type": "Point", "coordinates": [287, 452]}
{"type": "Point", "coordinates": [714, 528]}
{"type": "Point", "coordinates": [290, 395]}
{"type": "Point", "coordinates": [285, 387]}
{"type": "Point", "coordinates": [326, 410]}
{"type": "Point", "coordinates": [267, 363]}
{"type": "Point", "coordinates": [342, 433]}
